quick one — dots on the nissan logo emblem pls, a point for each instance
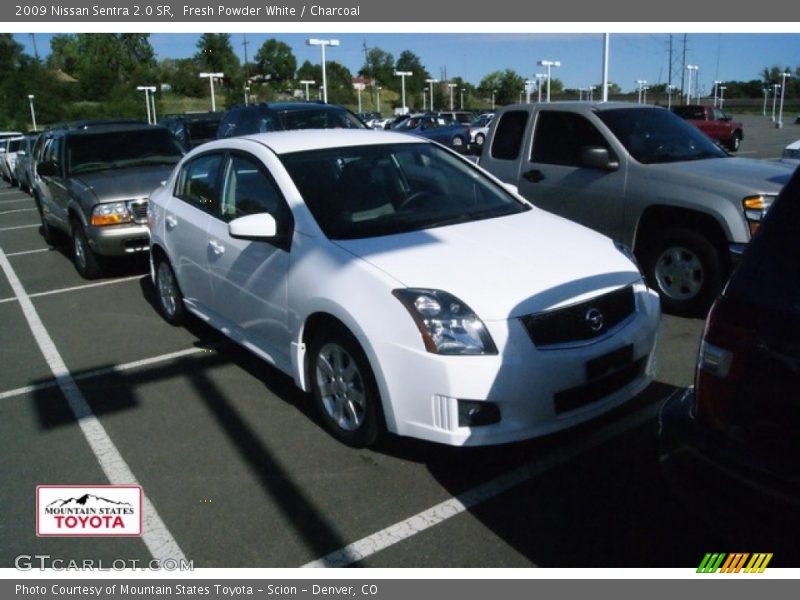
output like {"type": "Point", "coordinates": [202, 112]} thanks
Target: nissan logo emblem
{"type": "Point", "coordinates": [594, 319]}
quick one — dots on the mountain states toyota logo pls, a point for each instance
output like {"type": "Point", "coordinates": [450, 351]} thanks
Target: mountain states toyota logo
{"type": "Point", "coordinates": [100, 510]}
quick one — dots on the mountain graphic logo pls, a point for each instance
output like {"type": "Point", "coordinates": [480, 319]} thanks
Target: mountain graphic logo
{"type": "Point", "coordinates": [87, 501]}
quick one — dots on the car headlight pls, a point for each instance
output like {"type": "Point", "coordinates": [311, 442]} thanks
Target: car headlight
{"type": "Point", "coordinates": [111, 213]}
{"type": "Point", "coordinates": [448, 326]}
{"type": "Point", "coordinates": [755, 209]}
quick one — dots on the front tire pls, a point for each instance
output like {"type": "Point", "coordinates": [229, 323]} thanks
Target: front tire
{"type": "Point", "coordinates": [686, 270]}
{"type": "Point", "coordinates": [344, 388]}
{"type": "Point", "coordinates": [170, 297]}
{"type": "Point", "coordinates": [87, 262]}
{"type": "Point", "coordinates": [736, 142]}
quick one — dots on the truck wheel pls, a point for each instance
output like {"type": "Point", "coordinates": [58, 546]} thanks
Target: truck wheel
{"type": "Point", "coordinates": [736, 142]}
{"type": "Point", "coordinates": [87, 263]}
{"type": "Point", "coordinates": [686, 270]}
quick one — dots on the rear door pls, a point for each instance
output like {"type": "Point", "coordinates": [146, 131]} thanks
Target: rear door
{"type": "Point", "coordinates": [187, 217]}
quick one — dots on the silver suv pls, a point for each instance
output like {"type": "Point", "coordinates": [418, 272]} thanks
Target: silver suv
{"type": "Point", "coordinates": [94, 188]}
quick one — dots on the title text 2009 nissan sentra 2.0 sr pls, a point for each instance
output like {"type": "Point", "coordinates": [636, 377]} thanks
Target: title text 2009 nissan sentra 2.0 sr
{"type": "Point", "coordinates": [402, 286]}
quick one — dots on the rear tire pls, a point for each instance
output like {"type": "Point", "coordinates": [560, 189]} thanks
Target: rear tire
{"type": "Point", "coordinates": [170, 297]}
{"type": "Point", "coordinates": [344, 388]}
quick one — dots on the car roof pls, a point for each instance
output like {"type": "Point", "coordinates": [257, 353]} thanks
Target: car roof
{"type": "Point", "coordinates": [588, 106]}
{"type": "Point", "coordinates": [299, 140]}
{"type": "Point", "coordinates": [111, 129]}
{"type": "Point", "coordinates": [289, 106]}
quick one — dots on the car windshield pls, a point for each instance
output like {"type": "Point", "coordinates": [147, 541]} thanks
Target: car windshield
{"type": "Point", "coordinates": [118, 149]}
{"type": "Point", "coordinates": [658, 136]}
{"type": "Point", "coordinates": [369, 191]}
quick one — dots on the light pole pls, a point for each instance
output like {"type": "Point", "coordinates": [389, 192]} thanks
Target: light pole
{"type": "Point", "coordinates": [640, 83]}
{"type": "Point", "coordinates": [784, 75]}
{"type": "Point", "coordinates": [33, 112]}
{"type": "Point", "coordinates": [307, 82]}
{"type": "Point", "coordinates": [722, 89]}
{"type": "Point", "coordinates": [764, 110]}
{"type": "Point", "coordinates": [644, 94]}
{"type": "Point", "coordinates": [493, 95]}
{"type": "Point", "coordinates": [539, 77]}
{"type": "Point", "coordinates": [322, 44]}
{"type": "Point", "coordinates": [403, 75]}
{"type": "Point", "coordinates": [211, 77]}
{"type": "Point", "coordinates": [452, 86]}
{"type": "Point", "coordinates": [548, 64]}
{"type": "Point", "coordinates": [528, 88]}
{"type": "Point", "coordinates": [378, 100]}
{"type": "Point", "coordinates": [359, 88]}
{"type": "Point", "coordinates": [424, 99]}
{"type": "Point", "coordinates": [462, 98]}
{"type": "Point", "coordinates": [690, 68]}
{"type": "Point", "coordinates": [670, 89]}
{"type": "Point", "coordinates": [717, 83]}
{"type": "Point", "coordinates": [775, 87]}
{"type": "Point", "coordinates": [147, 89]}
{"type": "Point", "coordinates": [591, 93]}
{"type": "Point", "coordinates": [430, 82]}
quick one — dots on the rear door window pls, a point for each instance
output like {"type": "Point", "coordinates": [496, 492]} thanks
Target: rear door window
{"type": "Point", "coordinates": [198, 182]}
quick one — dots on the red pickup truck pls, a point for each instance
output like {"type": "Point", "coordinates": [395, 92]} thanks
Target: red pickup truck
{"type": "Point", "coordinates": [714, 123]}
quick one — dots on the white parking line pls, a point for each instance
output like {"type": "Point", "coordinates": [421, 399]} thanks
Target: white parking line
{"type": "Point", "coordinates": [24, 252]}
{"type": "Point", "coordinates": [410, 527]}
{"type": "Point", "coordinates": [74, 288]}
{"type": "Point", "coordinates": [16, 210]}
{"type": "Point", "coordinates": [121, 368]}
{"type": "Point", "coordinates": [20, 227]}
{"type": "Point", "coordinates": [156, 536]}
{"type": "Point", "coordinates": [15, 201]}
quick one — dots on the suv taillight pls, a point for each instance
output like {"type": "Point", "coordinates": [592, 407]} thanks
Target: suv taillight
{"type": "Point", "coordinates": [724, 349]}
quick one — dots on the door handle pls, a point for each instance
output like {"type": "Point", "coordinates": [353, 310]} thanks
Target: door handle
{"type": "Point", "coordinates": [171, 222]}
{"type": "Point", "coordinates": [534, 175]}
{"type": "Point", "coordinates": [217, 248]}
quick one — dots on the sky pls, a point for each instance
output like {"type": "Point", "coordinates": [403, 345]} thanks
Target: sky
{"type": "Point", "coordinates": [633, 56]}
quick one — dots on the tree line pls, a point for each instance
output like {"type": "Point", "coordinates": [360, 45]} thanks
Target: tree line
{"type": "Point", "coordinates": [96, 75]}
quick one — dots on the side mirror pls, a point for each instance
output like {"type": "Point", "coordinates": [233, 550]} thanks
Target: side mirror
{"type": "Point", "coordinates": [257, 228]}
{"type": "Point", "coordinates": [597, 157]}
{"type": "Point", "coordinates": [47, 169]}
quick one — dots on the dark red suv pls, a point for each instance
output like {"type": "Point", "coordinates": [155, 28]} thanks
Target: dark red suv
{"type": "Point", "coordinates": [714, 123]}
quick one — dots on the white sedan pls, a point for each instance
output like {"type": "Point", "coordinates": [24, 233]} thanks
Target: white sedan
{"type": "Point", "coordinates": [403, 287]}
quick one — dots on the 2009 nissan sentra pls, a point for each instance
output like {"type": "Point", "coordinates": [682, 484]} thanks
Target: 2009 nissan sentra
{"type": "Point", "coordinates": [401, 285]}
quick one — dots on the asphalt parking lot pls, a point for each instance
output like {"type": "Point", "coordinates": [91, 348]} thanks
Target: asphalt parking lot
{"type": "Point", "coordinates": [240, 474]}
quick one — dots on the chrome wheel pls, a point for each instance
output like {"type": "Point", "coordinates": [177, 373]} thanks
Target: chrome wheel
{"type": "Point", "coordinates": [479, 139]}
{"type": "Point", "coordinates": [341, 387]}
{"type": "Point", "coordinates": [679, 273]}
{"type": "Point", "coordinates": [457, 142]}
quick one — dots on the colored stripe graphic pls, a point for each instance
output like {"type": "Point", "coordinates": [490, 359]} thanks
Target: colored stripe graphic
{"type": "Point", "coordinates": [721, 562]}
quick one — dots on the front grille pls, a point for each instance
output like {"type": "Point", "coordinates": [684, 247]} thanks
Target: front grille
{"type": "Point", "coordinates": [598, 389]}
{"type": "Point", "coordinates": [138, 209]}
{"type": "Point", "coordinates": [581, 322]}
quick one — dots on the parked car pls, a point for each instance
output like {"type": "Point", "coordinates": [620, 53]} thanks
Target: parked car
{"type": "Point", "coordinates": [23, 167]}
{"type": "Point", "coordinates": [381, 123]}
{"type": "Point", "coordinates": [193, 129]}
{"type": "Point", "coordinates": [461, 116]}
{"type": "Point", "coordinates": [260, 118]}
{"type": "Point", "coordinates": [645, 177]}
{"type": "Point", "coordinates": [734, 438]}
{"type": "Point", "coordinates": [94, 188]}
{"type": "Point", "coordinates": [12, 146]}
{"type": "Point", "coordinates": [351, 259]}
{"type": "Point", "coordinates": [714, 123]}
{"type": "Point", "coordinates": [791, 154]}
{"type": "Point", "coordinates": [438, 129]}
{"type": "Point", "coordinates": [478, 130]}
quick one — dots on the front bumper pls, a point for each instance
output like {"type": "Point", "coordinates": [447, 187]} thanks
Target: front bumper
{"type": "Point", "coordinates": [119, 240]}
{"type": "Point", "coordinates": [537, 391]}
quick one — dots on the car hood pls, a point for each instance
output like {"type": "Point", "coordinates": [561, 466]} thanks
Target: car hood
{"type": "Point", "coordinates": [121, 184]}
{"type": "Point", "coordinates": [503, 267]}
{"type": "Point", "coordinates": [749, 174]}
